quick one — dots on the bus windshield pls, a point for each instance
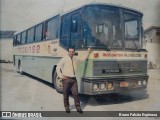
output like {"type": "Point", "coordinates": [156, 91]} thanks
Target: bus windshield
{"type": "Point", "coordinates": [103, 28]}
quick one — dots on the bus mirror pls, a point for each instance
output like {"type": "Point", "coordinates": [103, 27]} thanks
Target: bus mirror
{"type": "Point", "coordinates": [99, 28]}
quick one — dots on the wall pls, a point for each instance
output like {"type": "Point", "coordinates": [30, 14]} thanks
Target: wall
{"type": "Point", "coordinates": [154, 54]}
{"type": "Point", "coordinates": [156, 38]}
{"type": "Point", "coordinates": [151, 36]}
{"type": "Point", "coordinates": [6, 49]}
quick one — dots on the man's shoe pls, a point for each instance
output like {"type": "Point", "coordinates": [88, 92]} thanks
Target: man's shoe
{"type": "Point", "coordinates": [79, 110]}
{"type": "Point", "coordinates": [67, 110]}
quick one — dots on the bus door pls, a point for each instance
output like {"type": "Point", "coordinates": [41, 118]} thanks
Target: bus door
{"type": "Point", "coordinates": [75, 35]}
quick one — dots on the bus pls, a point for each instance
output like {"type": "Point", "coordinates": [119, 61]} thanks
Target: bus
{"type": "Point", "coordinates": [117, 62]}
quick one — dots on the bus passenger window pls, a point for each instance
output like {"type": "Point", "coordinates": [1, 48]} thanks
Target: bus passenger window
{"type": "Point", "coordinates": [52, 28]}
{"type": "Point", "coordinates": [38, 32]}
{"type": "Point", "coordinates": [30, 36]}
{"type": "Point", "coordinates": [18, 40]}
{"type": "Point", "coordinates": [23, 41]}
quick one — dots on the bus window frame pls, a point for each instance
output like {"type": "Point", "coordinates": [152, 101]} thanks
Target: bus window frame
{"type": "Point", "coordinates": [20, 34]}
{"type": "Point", "coordinates": [68, 17]}
{"type": "Point", "coordinates": [46, 27]}
{"type": "Point", "coordinates": [33, 40]}
{"type": "Point", "coordinates": [25, 37]}
{"type": "Point", "coordinates": [41, 32]}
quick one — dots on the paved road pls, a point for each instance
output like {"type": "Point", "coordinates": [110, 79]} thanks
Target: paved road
{"type": "Point", "coordinates": [26, 93]}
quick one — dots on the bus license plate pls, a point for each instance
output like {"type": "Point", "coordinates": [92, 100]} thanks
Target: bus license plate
{"type": "Point", "coordinates": [123, 84]}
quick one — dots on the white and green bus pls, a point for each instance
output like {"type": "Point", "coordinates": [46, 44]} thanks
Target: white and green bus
{"type": "Point", "coordinates": [114, 33]}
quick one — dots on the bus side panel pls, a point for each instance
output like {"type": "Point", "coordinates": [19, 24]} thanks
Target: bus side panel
{"type": "Point", "coordinates": [44, 67]}
{"type": "Point", "coordinates": [40, 67]}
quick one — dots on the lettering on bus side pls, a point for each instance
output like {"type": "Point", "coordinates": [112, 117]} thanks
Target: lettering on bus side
{"type": "Point", "coordinates": [38, 48]}
{"type": "Point", "coordinates": [29, 49]}
{"type": "Point", "coordinates": [113, 54]}
{"type": "Point", "coordinates": [33, 49]}
{"type": "Point", "coordinates": [132, 55]}
{"type": "Point", "coordinates": [121, 55]}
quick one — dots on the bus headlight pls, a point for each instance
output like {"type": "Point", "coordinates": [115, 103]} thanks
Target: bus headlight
{"type": "Point", "coordinates": [139, 83]}
{"type": "Point", "coordinates": [102, 86]}
{"type": "Point", "coordinates": [109, 86]}
{"type": "Point", "coordinates": [95, 87]}
{"type": "Point", "coordinates": [134, 83]}
{"type": "Point", "coordinates": [144, 82]}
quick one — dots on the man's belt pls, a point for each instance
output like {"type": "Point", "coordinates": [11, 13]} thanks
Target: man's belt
{"type": "Point", "coordinates": [72, 77]}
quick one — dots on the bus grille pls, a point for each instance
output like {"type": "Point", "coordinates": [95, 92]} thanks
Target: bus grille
{"type": "Point", "coordinates": [118, 67]}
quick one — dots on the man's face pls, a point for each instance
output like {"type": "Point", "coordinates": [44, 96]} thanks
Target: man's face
{"type": "Point", "coordinates": [71, 52]}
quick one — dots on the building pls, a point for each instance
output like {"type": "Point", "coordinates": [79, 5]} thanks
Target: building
{"type": "Point", "coordinates": [6, 47]}
{"type": "Point", "coordinates": [152, 44]}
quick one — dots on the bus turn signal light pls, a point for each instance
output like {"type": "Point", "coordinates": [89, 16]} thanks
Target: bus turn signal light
{"type": "Point", "coordinates": [96, 55]}
{"type": "Point", "coordinates": [145, 56]}
{"type": "Point", "coordinates": [109, 86]}
{"type": "Point", "coordinates": [95, 87]}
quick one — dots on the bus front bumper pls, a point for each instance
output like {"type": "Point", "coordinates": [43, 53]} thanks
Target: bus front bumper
{"type": "Point", "coordinates": [96, 86]}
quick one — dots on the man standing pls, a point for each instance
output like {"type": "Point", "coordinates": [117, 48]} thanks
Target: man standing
{"type": "Point", "coordinates": [66, 71]}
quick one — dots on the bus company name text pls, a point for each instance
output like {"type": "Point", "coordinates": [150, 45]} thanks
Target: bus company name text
{"type": "Point", "coordinates": [28, 49]}
{"type": "Point", "coordinates": [121, 55]}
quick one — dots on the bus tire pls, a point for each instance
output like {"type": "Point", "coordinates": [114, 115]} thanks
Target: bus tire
{"type": "Point", "coordinates": [57, 83]}
{"type": "Point", "coordinates": [20, 68]}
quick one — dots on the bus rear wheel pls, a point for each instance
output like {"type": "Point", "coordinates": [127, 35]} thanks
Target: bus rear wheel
{"type": "Point", "coordinates": [57, 83]}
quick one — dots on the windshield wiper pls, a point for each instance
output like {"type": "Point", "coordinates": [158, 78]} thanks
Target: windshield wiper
{"type": "Point", "coordinates": [135, 45]}
{"type": "Point", "coordinates": [99, 47]}
{"type": "Point", "coordinates": [137, 48]}
{"type": "Point", "coordinates": [84, 45]}
{"type": "Point", "coordinates": [96, 47]}
{"type": "Point", "coordinates": [143, 50]}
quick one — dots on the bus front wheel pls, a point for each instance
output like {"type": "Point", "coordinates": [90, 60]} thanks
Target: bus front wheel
{"type": "Point", "coordinates": [57, 83]}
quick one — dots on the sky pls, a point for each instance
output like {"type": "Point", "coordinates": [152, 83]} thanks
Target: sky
{"type": "Point", "coordinates": [20, 14]}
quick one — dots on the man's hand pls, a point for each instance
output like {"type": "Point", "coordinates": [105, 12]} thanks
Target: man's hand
{"type": "Point", "coordinates": [89, 50]}
{"type": "Point", "coordinates": [64, 77]}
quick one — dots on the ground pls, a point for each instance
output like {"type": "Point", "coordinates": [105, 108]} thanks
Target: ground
{"type": "Point", "coordinates": [26, 93]}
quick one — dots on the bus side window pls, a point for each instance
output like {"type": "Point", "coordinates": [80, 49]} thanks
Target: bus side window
{"type": "Point", "coordinates": [23, 41]}
{"type": "Point", "coordinates": [52, 28]}
{"type": "Point", "coordinates": [38, 32]}
{"type": "Point", "coordinates": [30, 35]}
{"type": "Point", "coordinates": [18, 39]}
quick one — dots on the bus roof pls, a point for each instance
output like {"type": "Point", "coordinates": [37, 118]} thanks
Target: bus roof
{"type": "Point", "coordinates": [100, 3]}
{"type": "Point", "coordinates": [84, 5]}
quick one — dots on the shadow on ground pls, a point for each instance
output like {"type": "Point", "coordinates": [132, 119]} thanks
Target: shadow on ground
{"type": "Point", "coordinates": [106, 99]}
{"type": "Point", "coordinates": [113, 98]}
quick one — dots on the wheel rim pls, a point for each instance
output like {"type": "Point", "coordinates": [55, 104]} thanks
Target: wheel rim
{"type": "Point", "coordinates": [59, 82]}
